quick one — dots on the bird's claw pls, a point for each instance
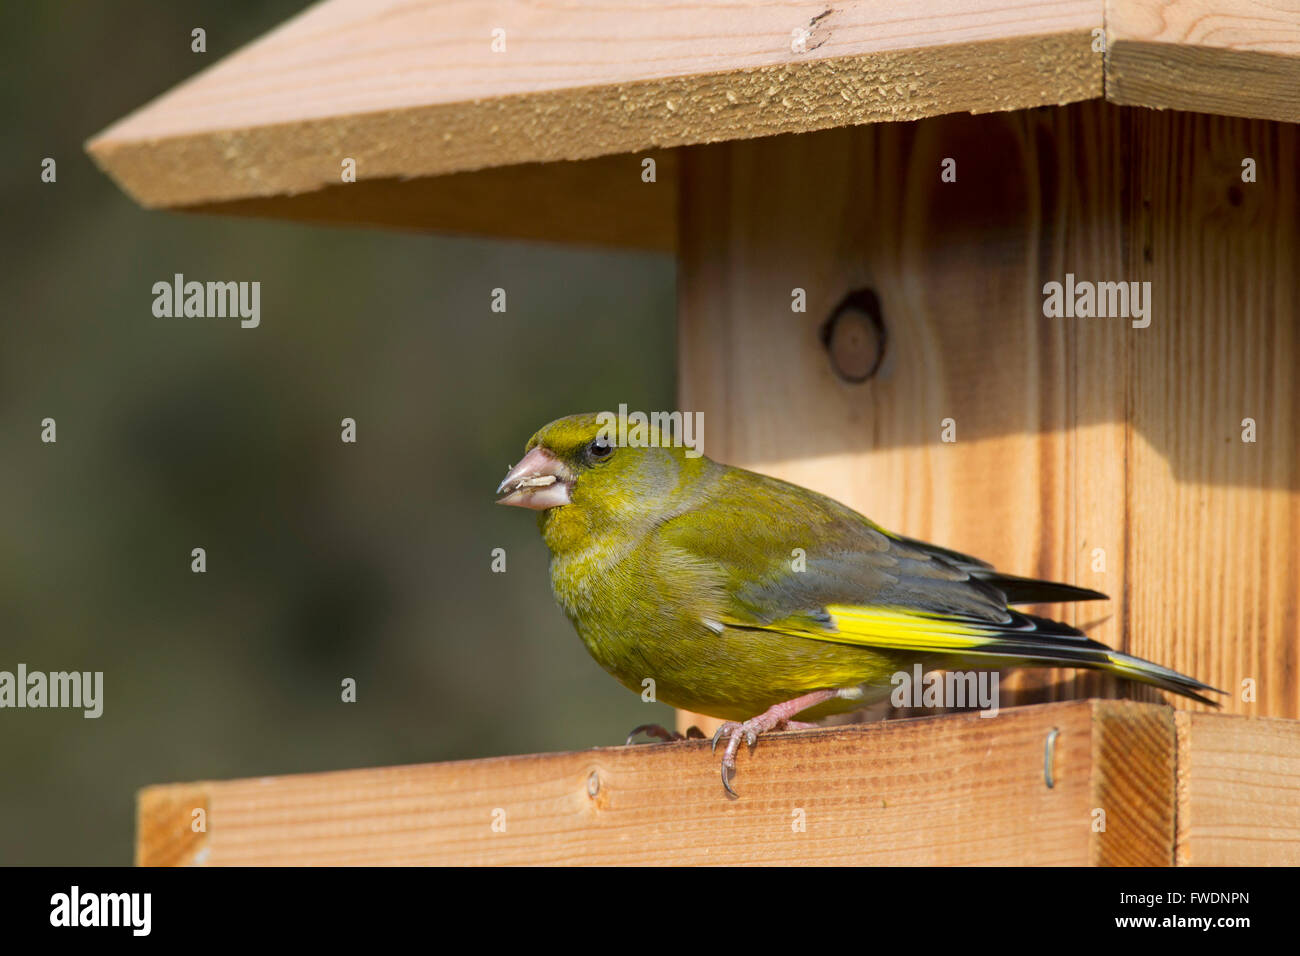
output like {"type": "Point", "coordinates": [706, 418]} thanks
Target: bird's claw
{"type": "Point", "coordinates": [726, 780]}
{"type": "Point", "coordinates": [734, 734]}
{"type": "Point", "coordinates": [663, 733]}
{"type": "Point", "coordinates": [653, 730]}
{"type": "Point", "coordinates": [731, 729]}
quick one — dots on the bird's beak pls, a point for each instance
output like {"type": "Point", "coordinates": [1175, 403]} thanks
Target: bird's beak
{"type": "Point", "coordinates": [539, 481]}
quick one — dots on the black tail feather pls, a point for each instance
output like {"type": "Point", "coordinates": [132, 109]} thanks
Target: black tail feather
{"type": "Point", "coordinates": [1030, 591]}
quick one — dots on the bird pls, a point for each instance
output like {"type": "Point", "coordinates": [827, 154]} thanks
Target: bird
{"type": "Point", "coordinates": [676, 568]}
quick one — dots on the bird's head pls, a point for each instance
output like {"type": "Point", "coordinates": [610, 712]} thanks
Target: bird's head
{"type": "Point", "coordinates": [596, 469]}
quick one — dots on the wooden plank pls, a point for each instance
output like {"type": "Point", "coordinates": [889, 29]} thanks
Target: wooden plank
{"type": "Point", "coordinates": [1235, 57]}
{"type": "Point", "coordinates": [954, 789]}
{"type": "Point", "coordinates": [1238, 791]}
{"type": "Point", "coordinates": [413, 89]}
{"type": "Point", "coordinates": [601, 201]}
{"type": "Point", "coordinates": [1086, 450]}
{"type": "Point", "coordinates": [1214, 571]}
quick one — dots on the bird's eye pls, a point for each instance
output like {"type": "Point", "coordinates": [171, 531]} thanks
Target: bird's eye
{"type": "Point", "coordinates": [600, 449]}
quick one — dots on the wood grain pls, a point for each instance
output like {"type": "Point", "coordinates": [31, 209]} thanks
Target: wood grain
{"type": "Point", "coordinates": [1073, 435]}
{"type": "Point", "coordinates": [1238, 791]}
{"type": "Point", "coordinates": [1134, 754]}
{"type": "Point", "coordinates": [1213, 521]}
{"type": "Point", "coordinates": [1234, 57]}
{"type": "Point", "coordinates": [957, 789]}
{"type": "Point", "coordinates": [413, 89]}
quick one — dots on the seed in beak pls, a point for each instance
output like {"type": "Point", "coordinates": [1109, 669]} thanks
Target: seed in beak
{"type": "Point", "coordinates": [537, 482]}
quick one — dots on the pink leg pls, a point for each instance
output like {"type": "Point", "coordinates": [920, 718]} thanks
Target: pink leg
{"type": "Point", "coordinates": [776, 717]}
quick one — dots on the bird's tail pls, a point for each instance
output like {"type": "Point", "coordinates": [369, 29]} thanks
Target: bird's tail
{"type": "Point", "coordinates": [1020, 640]}
{"type": "Point", "coordinates": [1143, 671]}
{"type": "Point", "coordinates": [1046, 643]}
{"type": "Point", "coordinates": [1018, 590]}
{"type": "Point", "coordinates": [1030, 591]}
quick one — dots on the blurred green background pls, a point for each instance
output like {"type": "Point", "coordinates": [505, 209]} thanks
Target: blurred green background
{"type": "Point", "coordinates": [325, 560]}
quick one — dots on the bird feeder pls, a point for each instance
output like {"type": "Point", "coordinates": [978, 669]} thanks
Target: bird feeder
{"type": "Point", "coordinates": [1020, 278]}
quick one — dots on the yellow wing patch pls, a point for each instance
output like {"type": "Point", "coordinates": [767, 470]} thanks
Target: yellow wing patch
{"type": "Point", "coordinates": [908, 630]}
{"type": "Point", "coordinates": [887, 627]}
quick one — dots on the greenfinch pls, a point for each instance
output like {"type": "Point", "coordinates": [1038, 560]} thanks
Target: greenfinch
{"type": "Point", "coordinates": [754, 600]}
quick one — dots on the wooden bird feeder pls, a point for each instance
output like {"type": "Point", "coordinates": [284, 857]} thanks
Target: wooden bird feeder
{"type": "Point", "coordinates": [915, 175]}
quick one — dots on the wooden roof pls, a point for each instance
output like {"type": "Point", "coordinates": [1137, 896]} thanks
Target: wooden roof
{"type": "Point", "coordinates": [412, 89]}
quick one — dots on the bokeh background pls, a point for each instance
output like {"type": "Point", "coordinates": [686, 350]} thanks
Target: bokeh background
{"type": "Point", "coordinates": [325, 560]}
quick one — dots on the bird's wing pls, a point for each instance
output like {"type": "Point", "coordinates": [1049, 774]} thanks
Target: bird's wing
{"type": "Point", "coordinates": [781, 550]}
{"type": "Point", "coordinates": [1015, 589]}
{"type": "Point", "coordinates": [794, 562]}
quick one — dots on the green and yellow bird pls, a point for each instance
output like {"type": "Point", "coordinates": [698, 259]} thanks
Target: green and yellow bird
{"type": "Point", "coordinates": [688, 572]}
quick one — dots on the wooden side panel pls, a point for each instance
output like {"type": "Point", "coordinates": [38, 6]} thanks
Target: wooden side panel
{"type": "Point", "coordinates": [1238, 791]}
{"type": "Point", "coordinates": [958, 789]}
{"type": "Point", "coordinates": [1214, 521]}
